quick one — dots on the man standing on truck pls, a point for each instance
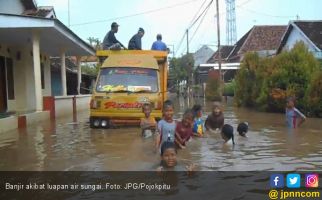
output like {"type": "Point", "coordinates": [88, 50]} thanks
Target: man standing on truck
{"type": "Point", "coordinates": [159, 45]}
{"type": "Point", "coordinates": [110, 41]}
{"type": "Point", "coordinates": [135, 41]}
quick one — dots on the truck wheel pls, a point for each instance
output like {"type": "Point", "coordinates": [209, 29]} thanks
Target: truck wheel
{"type": "Point", "coordinates": [91, 123]}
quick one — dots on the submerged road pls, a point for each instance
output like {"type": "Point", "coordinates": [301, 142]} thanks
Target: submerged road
{"type": "Point", "coordinates": [63, 146]}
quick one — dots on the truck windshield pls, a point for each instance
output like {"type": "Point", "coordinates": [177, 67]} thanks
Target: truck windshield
{"type": "Point", "coordinates": [127, 79]}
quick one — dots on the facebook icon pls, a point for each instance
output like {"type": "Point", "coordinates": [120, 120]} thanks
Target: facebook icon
{"type": "Point", "coordinates": [277, 181]}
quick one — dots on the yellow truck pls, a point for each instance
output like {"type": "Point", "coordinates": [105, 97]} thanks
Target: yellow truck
{"type": "Point", "coordinates": [128, 79]}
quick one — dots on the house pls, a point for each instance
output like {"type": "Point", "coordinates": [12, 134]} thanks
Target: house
{"type": "Point", "coordinates": [202, 55]}
{"type": "Point", "coordinates": [202, 70]}
{"type": "Point", "coordinates": [309, 32]}
{"type": "Point", "coordinates": [264, 40]}
{"type": "Point", "coordinates": [87, 81]}
{"type": "Point", "coordinates": [29, 37]}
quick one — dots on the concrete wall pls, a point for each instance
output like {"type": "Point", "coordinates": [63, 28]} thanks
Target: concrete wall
{"type": "Point", "coordinates": [64, 105]}
{"type": "Point", "coordinates": [47, 75]}
{"type": "Point", "coordinates": [35, 117]}
{"type": "Point", "coordinates": [8, 123]}
{"type": "Point", "coordinates": [11, 6]}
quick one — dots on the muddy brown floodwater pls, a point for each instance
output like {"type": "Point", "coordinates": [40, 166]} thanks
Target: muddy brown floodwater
{"type": "Point", "coordinates": [63, 146]}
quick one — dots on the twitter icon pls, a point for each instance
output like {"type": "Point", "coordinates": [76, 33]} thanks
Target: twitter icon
{"type": "Point", "coordinates": [293, 180]}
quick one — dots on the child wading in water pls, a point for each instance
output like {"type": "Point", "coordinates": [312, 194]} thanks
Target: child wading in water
{"type": "Point", "coordinates": [184, 129]}
{"type": "Point", "coordinates": [294, 118]}
{"type": "Point", "coordinates": [227, 133]}
{"type": "Point", "coordinates": [166, 126]}
{"type": "Point", "coordinates": [216, 119]}
{"type": "Point", "coordinates": [198, 126]}
{"type": "Point", "coordinates": [242, 129]}
{"type": "Point", "coordinates": [169, 159]}
{"type": "Point", "coordinates": [148, 123]}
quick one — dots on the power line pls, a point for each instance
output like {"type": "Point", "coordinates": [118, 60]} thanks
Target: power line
{"type": "Point", "coordinates": [181, 41]}
{"type": "Point", "coordinates": [200, 15]}
{"type": "Point", "coordinates": [194, 22]}
{"type": "Point", "coordinates": [263, 14]}
{"type": "Point", "coordinates": [136, 14]}
{"type": "Point", "coordinates": [203, 17]}
{"type": "Point", "coordinates": [193, 19]}
{"type": "Point", "coordinates": [244, 3]}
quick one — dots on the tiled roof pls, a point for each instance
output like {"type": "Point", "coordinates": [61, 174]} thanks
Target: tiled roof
{"type": "Point", "coordinates": [234, 56]}
{"type": "Point", "coordinates": [263, 38]}
{"type": "Point", "coordinates": [42, 11]}
{"type": "Point", "coordinates": [313, 30]}
{"type": "Point", "coordinates": [225, 52]}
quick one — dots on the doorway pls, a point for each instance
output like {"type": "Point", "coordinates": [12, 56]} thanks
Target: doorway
{"type": "Point", "coordinates": [3, 86]}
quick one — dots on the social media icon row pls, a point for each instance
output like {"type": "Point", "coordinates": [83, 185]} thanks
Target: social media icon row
{"type": "Point", "coordinates": [294, 181]}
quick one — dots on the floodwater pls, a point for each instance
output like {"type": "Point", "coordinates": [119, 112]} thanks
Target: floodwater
{"type": "Point", "coordinates": [64, 146]}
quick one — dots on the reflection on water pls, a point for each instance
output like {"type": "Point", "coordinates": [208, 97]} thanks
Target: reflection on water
{"type": "Point", "coordinates": [62, 145]}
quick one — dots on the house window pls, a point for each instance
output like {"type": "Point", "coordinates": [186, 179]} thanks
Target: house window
{"type": "Point", "coordinates": [10, 79]}
{"type": "Point", "coordinates": [42, 71]}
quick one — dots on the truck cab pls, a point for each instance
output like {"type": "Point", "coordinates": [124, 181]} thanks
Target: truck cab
{"type": "Point", "coordinates": [127, 80]}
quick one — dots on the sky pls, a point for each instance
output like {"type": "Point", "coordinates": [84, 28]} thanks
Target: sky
{"type": "Point", "coordinates": [171, 18]}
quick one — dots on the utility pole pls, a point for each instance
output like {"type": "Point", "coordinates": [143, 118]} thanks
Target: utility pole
{"type": "Point", "coordinates": [68, 14]}
{"type": "Point", "coordinates": [187, 41]}
{"type": "Point", "coordinates": [219, 48]}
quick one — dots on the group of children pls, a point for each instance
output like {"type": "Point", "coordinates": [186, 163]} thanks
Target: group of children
{"type": "Point", "coordinates": [172, 135]}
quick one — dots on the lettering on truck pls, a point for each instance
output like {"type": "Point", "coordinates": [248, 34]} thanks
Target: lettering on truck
{"type": "Point", "coordinates": [108, 105]}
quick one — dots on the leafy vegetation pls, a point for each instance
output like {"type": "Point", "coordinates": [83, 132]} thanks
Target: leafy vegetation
{"type": "Point", "coordinates": [229, 89]}
{"type": "Point", "coordinates": [180, 69]}
{"type": "Point", "coordinates": [213, 92]}
{"type": "Point", "coordinates": [265, 83]}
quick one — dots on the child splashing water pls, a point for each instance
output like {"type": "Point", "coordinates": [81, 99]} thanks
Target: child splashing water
{"type": "Point", "coordinates": [198, 126]}
{"type": "Point", "coordinates": [184, 129]}
{"type": "Point", "coordinates": [166, 126]}
{"type": "Point", "coordinates": [148, 123]}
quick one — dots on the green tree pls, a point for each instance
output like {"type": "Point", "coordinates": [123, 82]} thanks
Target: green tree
{"type": "Point", "coordinates": [264, 83]}
{"type": "Point", "coordinates": [180, 68]}
{"type": "Point", "coordinates": [313, 95]}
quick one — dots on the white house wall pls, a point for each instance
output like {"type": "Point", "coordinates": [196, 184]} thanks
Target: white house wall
{"type": "Point", "coordinates": [24, 79]}
{"type": "Point", "coordinates": [11, 7]}
{"type": "Point", "coordinates": [47, 76]}
{"type": "Point", "coordinates": [30, 81]}
{"type": "Point", "coordinates": [296, 36]}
